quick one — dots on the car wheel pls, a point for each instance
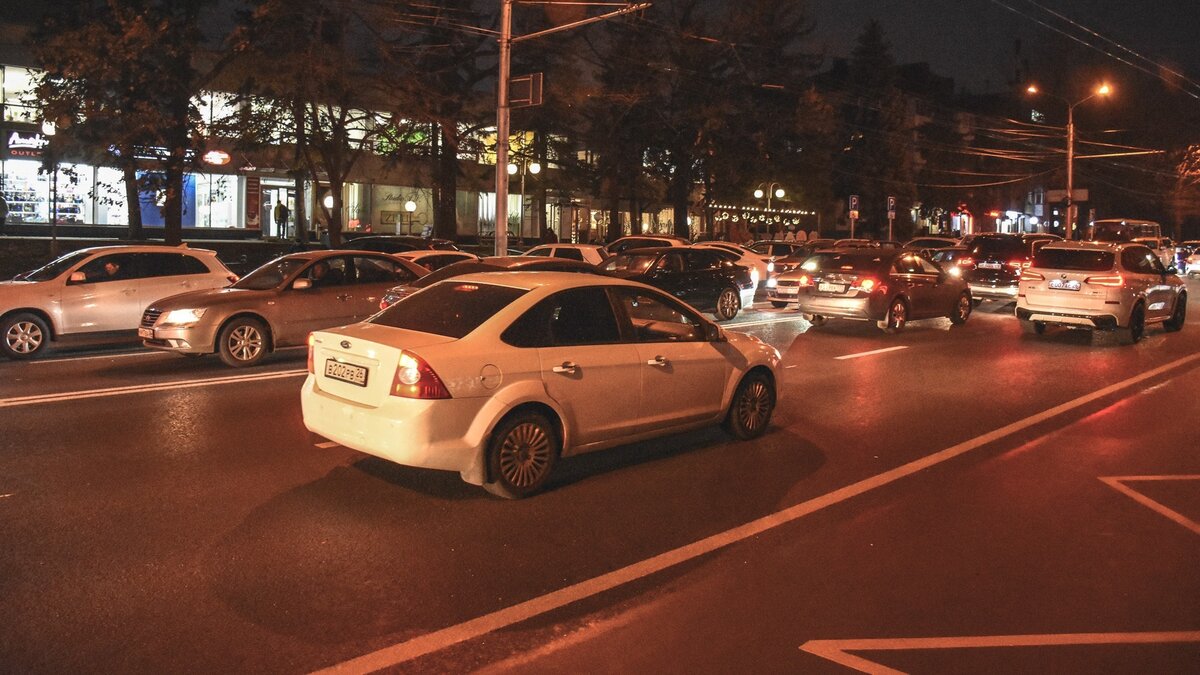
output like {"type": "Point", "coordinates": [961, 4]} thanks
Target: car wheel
{"type": "Point", "coordinates": [1132, 333]}
{"type": "Point", "coordinates": [751, 407]}
{"type": "Point", "coordinates": [521, 454]}
{"type": "Point", "coordinates": [897, 316]}
{"type": "Point", "coordinates": [962, 310]}
{"type": "Point", "coordinates": [1033, 327]}
{"type": "Point", "coordinates": [243, 342]}
{"type": "Point", "coordinates": [816, 319]}
{"type": "Point", "coordinates": [1178, 315]}
{"type": "Point", "coordinates": [778, 305]}
{"type": "Point", "coordinates": [25, 336]}
{"type": "Point", "coordinates": [728, 304]}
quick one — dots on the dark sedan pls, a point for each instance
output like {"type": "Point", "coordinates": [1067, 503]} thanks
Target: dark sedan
{"type": "Point", "coordinates": [887, 286]}
{"type": "Point", "coordinates": [993, 264]}
{"type": "Point", "coordinates": [491, 264]}
{"type": "Point", "coordinates": [702, 277]}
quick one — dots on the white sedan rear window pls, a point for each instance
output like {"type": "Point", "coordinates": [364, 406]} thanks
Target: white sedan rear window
{"type": "Point", "coordinates": [451, 308]}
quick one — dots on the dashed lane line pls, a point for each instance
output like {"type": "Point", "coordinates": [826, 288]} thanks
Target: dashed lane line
{"type": "Point", "coordinates": [870, 353]}
{"type": "Point", "coordinates": [428, 643]}
{"type": "Point", "coordinates": [144, 388]}
{"type": "Point", "coordinates": [838, 651]}
{"type": "Point", "coordinates": [327, 444]}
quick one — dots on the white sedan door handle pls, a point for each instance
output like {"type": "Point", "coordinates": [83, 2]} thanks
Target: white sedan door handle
{"type": "Point", "coordinates": [566, 367]}
{"type": "Point", "coordinates": [659, 361]}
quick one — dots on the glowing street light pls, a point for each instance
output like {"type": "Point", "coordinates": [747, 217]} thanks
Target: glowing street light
{"type": "Point", "coordinates": [525, 166]}
{"type": "Point", "coordinates": [772, 189]}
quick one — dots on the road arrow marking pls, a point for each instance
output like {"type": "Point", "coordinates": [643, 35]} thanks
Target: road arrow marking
{"type": "Point", "coordinates": [836, 650]}
{"type": "Point", "coordinates": [1118, 483]}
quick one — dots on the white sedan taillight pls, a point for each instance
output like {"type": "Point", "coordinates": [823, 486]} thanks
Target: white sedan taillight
{"type": "Point", "coordinates": [415, 379]}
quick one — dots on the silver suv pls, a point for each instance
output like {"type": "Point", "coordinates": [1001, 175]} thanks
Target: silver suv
{"type": "Point", "coordinates": [1117, 287]}
{"type": "Point", "coordinates": [98, 290]}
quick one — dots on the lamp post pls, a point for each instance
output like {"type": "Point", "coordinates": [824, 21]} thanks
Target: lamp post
{"type": "Point", "coordinates": [524, 166]}
{"type": "Point", "coordinates": [409, 207]}
{"type": "Point", "coordinates": [771, 189]}
{"type": "Point", "coordinates": [1102, 90]}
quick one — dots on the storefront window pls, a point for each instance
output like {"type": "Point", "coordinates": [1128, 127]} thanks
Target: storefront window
{"type": "Point", "coordinates": [74, 187]}
{"type": "Point", "coordinates": [111, 208]}
{"type": "Point", "coordinates": [16, 87]}
{"type": "Point", "coordinates": [26, 191]}
{"type": "Point", "coordinates": [216, 200]}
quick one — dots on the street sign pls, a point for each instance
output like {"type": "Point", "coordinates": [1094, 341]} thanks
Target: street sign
{"type": "Point", "coordinates": [525, 90]}
{"type": "Point", "coordinates": [891, 207]}
{"type": "Point", "coordinates": [853, 202]}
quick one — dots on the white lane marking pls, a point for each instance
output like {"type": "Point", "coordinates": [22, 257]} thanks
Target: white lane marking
{"type": "Point", "coordinates": [503, 618]}
{"type": "Point", "coordinates": [327, 444]}
{"type": "Point", "coordinates": [7, 495]}
{"type": "Point", "coordinates": [792, 366]}
{"type": "Point", "coordinates": [870, 353]}
{"type": "Point", "coordinates": [120, 355]}
{"type": "Point", "coordinates": [143, 388]}
{"type": "Point", "coordinates": [1118, 483]}
{"type": "Point", "coordinates": [837, 650]}
{"type": "Point", "coordinates": [762, 322]}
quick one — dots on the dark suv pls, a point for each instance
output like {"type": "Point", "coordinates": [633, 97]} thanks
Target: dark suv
{"type": "Point", "coordinates": [992, 263]}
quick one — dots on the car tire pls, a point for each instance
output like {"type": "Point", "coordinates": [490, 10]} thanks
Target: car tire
{"type": "Point", "coordinates": [897, 316]}
{"type": "Point", "coordinates": [24, 336]}
{"type": "Point", "coordinates": [976, 302]}
{"type": "Point", "coordinates": [816, 319]}
{"type": "Point", "coordinates": [243, 342]}
{"type": "Point", "coordinates": [1136, 329]}
{"type": "Point", "coordinates": [778, 305]}
{"type": "Point", "coordinates": [1178, 315]}
{"type": "Point", "coordinates": [521, 455]}
{"type": "Point", "coordinates": [749, 412]}
{"type": "Point", "coordinates": [962, 310]}
{"type": "Point", "coordinates": [1033, 327]}
{"type": "Point", "coordinates": [728, 304]}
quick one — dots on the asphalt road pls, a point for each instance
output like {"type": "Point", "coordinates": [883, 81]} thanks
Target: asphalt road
{"type": "Point", "coordinates": [962, 499]}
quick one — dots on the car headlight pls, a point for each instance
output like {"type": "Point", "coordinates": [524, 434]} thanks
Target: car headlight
{"type": "Point", "coordinates": [182, 317]}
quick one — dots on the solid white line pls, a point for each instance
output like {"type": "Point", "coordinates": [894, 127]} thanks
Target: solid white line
{"type": "Point", "coordinates": [142, 388]}
{"type": "Point", "coordinates": [118, 355]}
{"type": "Point", "coordinates": [1118, 483]}
{"type": "Point", "coordinates": [836, 650]}
{"type": "Point", "coordinates": [762, 322]}
{"type": "Point", "coordinates": [440, 639]}
{"type": "Point", "coordinates": [327, 444]}
{"type": "Point", "coordinates": [870, 353]}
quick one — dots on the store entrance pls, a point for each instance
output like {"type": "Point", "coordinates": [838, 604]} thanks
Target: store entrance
{"type": "Point", "coordinates": [278, 222]}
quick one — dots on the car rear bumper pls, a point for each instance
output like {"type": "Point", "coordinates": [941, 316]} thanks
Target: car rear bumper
{"type": "Point", "coordinates": [996, 291]}
{"type": "Point", "coordinates": [1080, 319]}
{"type": "Point", "coordinates": [843, 308]}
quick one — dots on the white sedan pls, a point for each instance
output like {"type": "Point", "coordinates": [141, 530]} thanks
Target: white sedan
{"type": "Point", "coordinates": [497, 375]}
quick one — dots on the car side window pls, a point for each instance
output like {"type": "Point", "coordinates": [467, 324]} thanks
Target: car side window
{"type": "Point", "coordinates": [1139, 260]}
{"type": "Point", "coordinates": [703, 260]}
{"type": "Point", "coordinates": [369, 270]}
{"type": "Point", "coordinates": [579, 316]}
{"type": "Point", "coordinates": [670, 263]}
{"type": "Point", "coordinates": [543, 252]}
{"type": "Point", "coordinates": [169, 264]}
{"type": "Point", "coordinates": [908, 264]}
{"type": "Point", "coordinates": [655, 318]}
{"type": "Point", "coordinates": [568, 253]}
{"type": "Point", "coordinates": [927, 267]}
{"type": "Point", "coordinates": [327, 272]}
{"type": "Point", "coordinates": [112, 267]}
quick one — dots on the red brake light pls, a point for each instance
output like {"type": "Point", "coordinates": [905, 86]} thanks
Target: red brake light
{"type": "Point", "coordinates": [805, 280]}
{"type": "Point", "coordinates": [1109, 280]}
{"type": "Point", "coordinates": [311, 342]}
{"type": "Point", "coordinates": [965, 262]}
{"type": "Point", "coordinates": [866, 285]}
{"type": "Point", "coordinates": [1016, 264]}
{"type": "Point", "coordinates": [415, 379]}
{"type": "Point", "coordinates": [1029, 275]}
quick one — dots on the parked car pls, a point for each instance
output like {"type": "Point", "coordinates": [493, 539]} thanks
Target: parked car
{"type": "Point", "coordinates": [757, 263]}
{"type": "Point", "coordinates": [645, 241]}
{"type": "Point", "coordinates": [1116, 287]}
{"type": "Point", "coordinates": [887, 286]}
{"type": "Point", "coordinates": [589, 253]}
{"type": "Point", "coordinates": [992, 266]}
{"type": "Point", "coordinates": [434, 260]}
{"type": "Point", "coordinates": [930, 242]}
{"type": "Point", "coordinates": [498, 376]}
{"type": "Point", "coordinates": [1163, 247]}
{"type": "Point", "coordinates": [490, 264]}
{"type": "Point", "coordinates": [704, 278]}
{"type": "Point", "coordinates": [98, 290]}
{"type": "Point", "coordinates": [276, 305]}
{"type": "Point", "coordinates": [397, 243]}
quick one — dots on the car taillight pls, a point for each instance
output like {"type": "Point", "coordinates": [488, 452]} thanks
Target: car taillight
{"type": "Point", "coordinates": [1030, 275]}
{"type": "Point", "coordinates": [965, 262]}
{"type": "Point", "coordinates": [311, 342]}
{"type": "Point", "coordinates": [865, 285]}
{"type": "Point", "coordinates": [415, 379]}
{"type": "Point", "coordinates": [1110, 280]}
{"type": "Point", "coordinates": [1017, 264]}
{"type": "Point", "coordinates": [383, 304]}
{"type": "Point", "coordinates": [805, 280]}
{"type": "Point", "coordinates": [233, 278]}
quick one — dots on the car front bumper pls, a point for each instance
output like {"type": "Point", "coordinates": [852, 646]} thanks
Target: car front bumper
{"type": "Point", "coordinates": [197, 339]}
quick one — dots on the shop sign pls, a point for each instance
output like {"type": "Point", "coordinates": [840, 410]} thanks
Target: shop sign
{"type": "Point", "coordinates": [253, 202]}
{"type": "Point", "coordinates": [25, 144]}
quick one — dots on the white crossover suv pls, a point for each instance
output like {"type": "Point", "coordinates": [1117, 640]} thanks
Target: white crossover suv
{"type": "Point", "coordinates": [1118, 287]}
{"type": "Point", "coordinates": [98, 290]}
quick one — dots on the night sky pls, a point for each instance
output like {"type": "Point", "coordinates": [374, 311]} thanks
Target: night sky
{"type": "Point", "coordinates": [972, 40]}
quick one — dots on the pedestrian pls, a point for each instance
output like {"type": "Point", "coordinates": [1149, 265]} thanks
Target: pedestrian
{"type": "Point", "coordinates": [281, 217]}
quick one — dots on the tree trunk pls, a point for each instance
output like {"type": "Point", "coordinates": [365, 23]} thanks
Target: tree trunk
{"type": "Point", "coordinates": [334, 214]}
{"type": "Point", "coordinates": [615, 230]}
{"type": "Point", "coordinates": [298, 213]}
{"type": "Point", "coordinates": [173, 206]}
{"type": "Point", "coordinates": [133, 200]}
{"type": "Point", "coordinates": [445, 216]}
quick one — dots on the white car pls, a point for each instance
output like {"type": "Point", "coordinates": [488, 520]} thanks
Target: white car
{"type": "Point", "coordinates": [97, 291]}
{"type": "Point", "coordinates": [435, 260]}
{"type": "Point", "coordinates": [588, 253]}
{"type": "Point", "coordinates": [760, 265]}
{"type": "Point", "coordinates": [497, 375]}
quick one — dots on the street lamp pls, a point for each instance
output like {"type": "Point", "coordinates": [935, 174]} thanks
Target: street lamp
{"type": "Point", "coordinates": [409, 207]}
{"type": "Point", "coordinates": [772, 189]}
{"type": "Point", "coordinates": [524, 167]}
{"type": "Point", "coordinates": [1102, 90]}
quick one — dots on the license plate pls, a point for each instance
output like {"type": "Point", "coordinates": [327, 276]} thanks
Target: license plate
{"type": "Point", "coordinates": [1064, 285]}
{"type": "Point", "coordinates": [831, 288]}
{"type": "Point", "coordinates": [989, 266]}
{"type": "Point", "coordinates": [147, 333]}
{"type": "Point", "coordinates": [346, 372]}
{"type": "Point", "coordinates": [787, 290]}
